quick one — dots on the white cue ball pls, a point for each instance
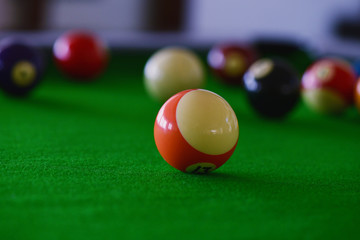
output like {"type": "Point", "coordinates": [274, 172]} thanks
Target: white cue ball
{"type": "Point", "coordinates": [172, 70]}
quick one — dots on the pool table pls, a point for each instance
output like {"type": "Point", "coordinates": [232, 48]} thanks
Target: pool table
{"type": "Point", "coordinates": [78, 161]}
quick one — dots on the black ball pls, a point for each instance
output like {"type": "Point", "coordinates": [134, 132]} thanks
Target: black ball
{"type": "Point", "coordinates": [272, 87]}
{"type": "Point", "coordinates": [21, 67]}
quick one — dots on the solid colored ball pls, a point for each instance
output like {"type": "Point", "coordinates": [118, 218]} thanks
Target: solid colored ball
{"type": "Point", "coordinates": [294, 52]}
{"type": "Point", "coordinates": [80, 55]}
{"type": "Point", "coordinates": [229, 62]}
{"type": "Point", "coordinates": [357, 94]}
{"type": "Point", "coordinates": [171, 70]}
{"type": "Point", "coordinates": [356, 67]}
{"type": "Point", "coordinates": [272, 88]}
{"type": "Point", "coordinates": [328, 86]}
{"type": "Point", "coordinates": [21, 67]}
{"type": "Point", "coordinates": [196, 131]}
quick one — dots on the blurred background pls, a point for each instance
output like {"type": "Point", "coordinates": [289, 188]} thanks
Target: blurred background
{"type": "Point", "coordinates": [326, 25]}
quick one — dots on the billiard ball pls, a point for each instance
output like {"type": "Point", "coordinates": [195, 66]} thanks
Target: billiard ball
{"type": "Point", "coordinates": [230, 61]}
{"type": "Point", "coordinates": [171, 70]}
{"type": "Point", "coordinates": [196, 131]}
{"type": "Point", "coordinates": [80, 55]}
{"type": "Point", "coordinates": [272, 87]}
{"type": "Point", "coordinates": [328, 86]}
{"type": "Point", "coordinates": [357, 94]}
{"type": "Point", "coordinates": [356, 67]}
{"type": "Point", "coordinates": [292, 51]}
{"type": "Point", "coordinates": [21, 67]}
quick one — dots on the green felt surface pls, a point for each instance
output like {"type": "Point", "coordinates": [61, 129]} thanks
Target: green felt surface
{"type": "Point", "coordinates": [78, 161]}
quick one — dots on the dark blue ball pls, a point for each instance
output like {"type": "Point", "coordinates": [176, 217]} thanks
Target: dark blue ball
{"type": "Point", "coordinates": [356, 67]}
{"type": "Point", "coordinates": [21, 67]}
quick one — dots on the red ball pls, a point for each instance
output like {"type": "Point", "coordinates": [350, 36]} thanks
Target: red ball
{"type": "Point", "coordinates": [229, 62]}
{"type": "Point", "coordinates": [196, 131]}
{"type": "Point", "coordinates": [328, 86]}
{"type": "Point", "coordinates": [357, 94]}
{"type": "Point", "coordinates": [80, 55]}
